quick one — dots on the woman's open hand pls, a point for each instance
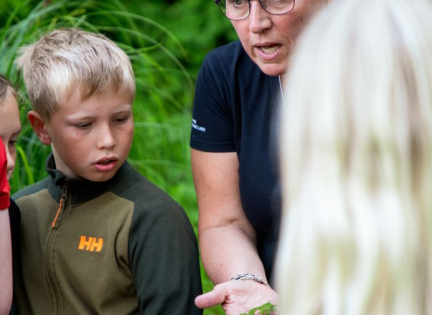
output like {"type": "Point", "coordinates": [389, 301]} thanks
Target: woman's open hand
{"type": "Point", "coordinates": [237, 296]}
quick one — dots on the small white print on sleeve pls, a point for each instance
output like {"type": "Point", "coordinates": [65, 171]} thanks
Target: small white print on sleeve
{"type": "Point", "coordinates": [195, 126]}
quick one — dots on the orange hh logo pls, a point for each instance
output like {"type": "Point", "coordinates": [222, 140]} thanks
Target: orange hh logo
{"type": "Point", "coordinates": [90, 244]}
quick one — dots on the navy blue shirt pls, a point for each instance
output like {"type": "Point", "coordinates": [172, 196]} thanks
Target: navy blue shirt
{"type": "Point", "coordinates": [234, 109]}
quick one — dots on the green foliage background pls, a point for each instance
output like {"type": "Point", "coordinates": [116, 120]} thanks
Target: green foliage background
{"type": "Point", "coordinates": [166, 41]}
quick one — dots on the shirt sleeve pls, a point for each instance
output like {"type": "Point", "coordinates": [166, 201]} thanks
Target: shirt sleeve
{"type": "Point", "coordinates": [4, 184]}
{"type": "Point", "coordinates": [163, 256]}
{"type": "Point", "coordinates": [212, 121]}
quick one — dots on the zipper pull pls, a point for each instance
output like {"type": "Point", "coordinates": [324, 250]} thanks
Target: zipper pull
{"type": "Point", "coordinates": [61, 207]}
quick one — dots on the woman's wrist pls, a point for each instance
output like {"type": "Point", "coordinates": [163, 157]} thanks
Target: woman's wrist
{"type": "Point", "coordinates": [248, 276]}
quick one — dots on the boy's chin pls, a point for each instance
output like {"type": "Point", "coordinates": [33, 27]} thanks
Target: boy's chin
{"type": "Point", "coordinates": [96, 177]}
{"type": "Point", "coordinates": [99, 178]}
{"type": "Point", "coordinates": [92, 173]}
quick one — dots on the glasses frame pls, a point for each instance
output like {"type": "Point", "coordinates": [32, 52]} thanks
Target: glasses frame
{"type": "Point", "coordinates": [249, 2]}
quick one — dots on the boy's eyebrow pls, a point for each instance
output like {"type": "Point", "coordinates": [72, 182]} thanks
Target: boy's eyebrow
{"type": "Point", "coordinates": [126, 108]}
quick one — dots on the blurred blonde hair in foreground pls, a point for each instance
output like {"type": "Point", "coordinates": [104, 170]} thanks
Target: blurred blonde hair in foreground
{"type": "Point", "coordinates": [357, 162]}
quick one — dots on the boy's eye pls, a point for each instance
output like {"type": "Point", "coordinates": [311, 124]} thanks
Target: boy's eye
{"type": "Point", "coordinates": [120, 120]}
{"type": "Point", "coordinates": [12, 146]}
{"type": "Point", "coordinates": [83, 125]}
{"type": "Point", "coordinates": [13, 143]}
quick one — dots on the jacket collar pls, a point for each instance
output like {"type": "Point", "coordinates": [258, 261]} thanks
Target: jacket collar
{"type": "Point", "coordinates": [79, 190]}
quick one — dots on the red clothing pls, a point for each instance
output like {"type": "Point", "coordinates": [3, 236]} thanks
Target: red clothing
{"type": "Point", "coordinates": [4, 184]}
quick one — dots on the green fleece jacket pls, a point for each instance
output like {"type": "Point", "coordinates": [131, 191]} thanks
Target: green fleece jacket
{"type": "Point", "coordinates": [117, 247]}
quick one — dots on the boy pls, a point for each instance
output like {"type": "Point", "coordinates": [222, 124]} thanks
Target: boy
{"type": "Point", "coordinates": [10, 127]}
{"type": "Point", "coordinates": [5, 237]}
{"type": "Point", "coordinates": [96, 237]}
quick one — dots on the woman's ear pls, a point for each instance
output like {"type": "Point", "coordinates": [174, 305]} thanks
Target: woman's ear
{"type": "Point", "coordinates": [39, 127]}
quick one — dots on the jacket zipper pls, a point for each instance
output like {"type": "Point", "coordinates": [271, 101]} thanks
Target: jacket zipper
{"type": "Point", "coordinates": [62, 205]}
{"type": "Point", "coordinates": [54, 227]}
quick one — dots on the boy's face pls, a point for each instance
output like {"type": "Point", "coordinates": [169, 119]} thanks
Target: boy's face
{"type": "Point", "coordinates": [10, 128]}
{"type": "Point", "coordinates": [91, 139]}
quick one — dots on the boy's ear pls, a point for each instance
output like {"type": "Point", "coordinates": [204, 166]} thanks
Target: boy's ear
{"type": "Point", "coordinates": [39, 127]}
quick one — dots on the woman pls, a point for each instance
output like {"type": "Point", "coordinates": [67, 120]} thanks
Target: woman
{"type": "Point", "coordinates": [357, 162]}
{"type": "Point", "coordinates": [233, 167]}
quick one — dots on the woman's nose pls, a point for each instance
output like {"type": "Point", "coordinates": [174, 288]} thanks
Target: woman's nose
{"type": "Point", "coordinates": [259, 19]}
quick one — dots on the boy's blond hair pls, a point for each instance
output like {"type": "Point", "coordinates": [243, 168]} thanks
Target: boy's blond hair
{"type": "Point", "coordinates": [357, 162]}
{"type": "Point", "coordinates": [69, 59]}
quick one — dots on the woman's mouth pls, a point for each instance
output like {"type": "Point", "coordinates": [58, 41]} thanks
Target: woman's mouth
{"type": "Point", "coordinates": [268, 52]}
{"type": "Point", "coordinates": [270, 49]}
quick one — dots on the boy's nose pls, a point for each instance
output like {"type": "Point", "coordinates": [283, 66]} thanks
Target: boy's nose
{"type": "Point", "coordinates": [259, 19]}
{"type": "Point", "coordinates": [106, 138]}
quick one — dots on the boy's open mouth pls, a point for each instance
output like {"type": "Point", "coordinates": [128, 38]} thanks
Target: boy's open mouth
{"type": "Point", "coordinates": [105, 162]}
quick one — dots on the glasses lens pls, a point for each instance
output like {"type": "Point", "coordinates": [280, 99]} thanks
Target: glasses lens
{"type": "Point", "coordinates": [234, 9]}
{"type": "Point", "coordinates": [239, 9]}
{"type": "Point", "coordinates": [277, 6]}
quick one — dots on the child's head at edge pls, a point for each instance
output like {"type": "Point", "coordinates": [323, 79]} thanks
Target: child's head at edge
{"type": "Point", "coordinates": [10, 126]}
{"type": "Point", "coordinates": [357, 131]}
{"type": "Point", "coordinates": [81, 87]}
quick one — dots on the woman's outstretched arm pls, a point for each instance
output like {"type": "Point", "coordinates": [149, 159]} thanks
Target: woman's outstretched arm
{"type": "Point", "coordinates": [227, 241]}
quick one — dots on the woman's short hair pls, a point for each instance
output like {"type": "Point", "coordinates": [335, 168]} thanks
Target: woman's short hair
{"type": "Point", "coordinates": [357, 162]}
{"type": "Point", "coordinates": [5, 88]}
{"type": "Point", "coordinates": [69, 59]}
